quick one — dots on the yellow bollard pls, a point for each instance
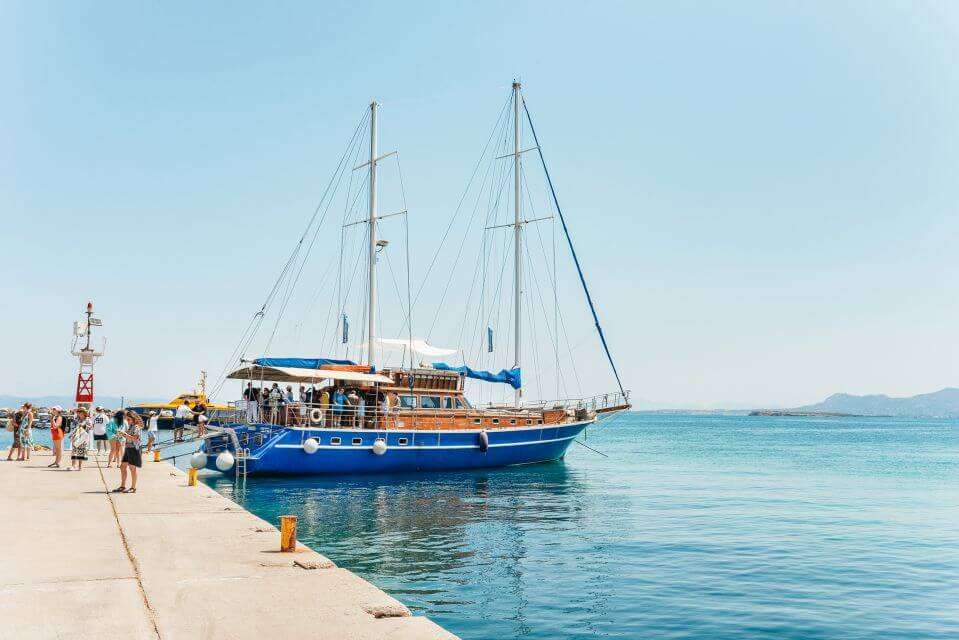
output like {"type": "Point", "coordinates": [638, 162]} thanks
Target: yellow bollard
{"type": "Point", "coordinates": [194, 473]}
{"type": "Point", "coordinates": [287, 533]}
{"type": "Point", "coordinates": [156, 455]}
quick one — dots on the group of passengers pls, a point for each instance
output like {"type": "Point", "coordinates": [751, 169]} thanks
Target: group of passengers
{"type": "Point", "coordinates": [121, 433]}
{"type": "Point", "coordinates": [347, 407]}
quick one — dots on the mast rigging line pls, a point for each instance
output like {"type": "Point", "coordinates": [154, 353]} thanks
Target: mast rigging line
{"type": "Point", "coordinates": [257, 320]}
{"type": "Point", "coordinates": [572, 250]}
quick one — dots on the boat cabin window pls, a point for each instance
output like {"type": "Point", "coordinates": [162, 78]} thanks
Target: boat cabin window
{"type": "Point", "coordinates": [495, 420]}
{"type": "Point", "coordinates": [512, 420]}
{"type": "Point", "coordinates": [407, 402]}
{"type": "Point", "coordinates": [448, 402]}
{"type": "Point", "coordinates": [334, 441]}
{"type": "Point", "coordinates": [430, 402]}
{"type": "Point", "coordinates": [357, 440]}
{"type": "Point", "coordinates": [477, 421]}
{"type": "Point", "coordinates": [402, 442]}
{"type": "Point", "coordinates": [460, 404]}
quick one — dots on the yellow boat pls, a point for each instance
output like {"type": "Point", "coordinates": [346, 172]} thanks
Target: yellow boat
{"type": "Point", "coordinates": [167, 410]}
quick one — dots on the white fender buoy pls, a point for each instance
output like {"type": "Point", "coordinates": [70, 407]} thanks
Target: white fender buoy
{"type": "Point", "coordinates": [316, 416]}
{"type": "Point", "coordinates": [224, 461]}
{"type": "Point", "coordinates": [379, 446]}
{"type": "Point", "coordinates": [483, 441]}
{"type": "Point", "coordinates": [311, 446]}
{"type": "Point", "coordinates": [198, 460]}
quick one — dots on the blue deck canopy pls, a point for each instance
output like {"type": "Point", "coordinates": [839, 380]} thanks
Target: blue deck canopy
{"type": "Point", "coordinates": [300, 363]}
{"type": "Point", "coordinates": [511, 377]}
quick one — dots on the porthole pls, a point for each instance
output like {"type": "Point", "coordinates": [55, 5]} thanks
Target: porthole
{"type": "Point", "coordinates": [512, 420]}
{"type": "Point", "coordinates": [528, 421]}
{"type": "Point", "coordinates": [540, 421]}
{"type": "Point", "coordinates": [477, 421]}
{"type": "Point", "coordinates": [357, 441]}
{"type": "Point", "coordinates": [495, 420]}
{"type": "Point", "coordinates": [402, 442]}
{"type": "Point", "coordinates": [334, 441]}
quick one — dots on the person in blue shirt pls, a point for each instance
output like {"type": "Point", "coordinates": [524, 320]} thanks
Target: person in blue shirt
{"type": "Point", "coordinates": [339, 399]}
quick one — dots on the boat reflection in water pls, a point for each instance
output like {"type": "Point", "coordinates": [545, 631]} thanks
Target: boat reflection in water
{"type": "Point", "coordinates": [425, 537]}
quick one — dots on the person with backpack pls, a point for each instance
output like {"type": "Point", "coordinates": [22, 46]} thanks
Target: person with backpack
{"type": "Point", "coordinates": [13, 425]}
{"type": "Point", "coordinates": [56, 436]}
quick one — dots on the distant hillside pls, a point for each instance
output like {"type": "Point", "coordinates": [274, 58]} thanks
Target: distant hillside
{"type": "Point", "coordinates": [940, 404]}
{"type": "Point", "coordinates": [11, 401]}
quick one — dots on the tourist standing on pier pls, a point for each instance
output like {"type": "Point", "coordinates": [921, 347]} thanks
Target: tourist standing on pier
{"type": "Point", "coordinates": [80, 439]}
{"type": "Point", "coordinates": [100, 419]}
{"type": "Point", "coordinates": [115, 441]}
{"type": "Point", "coordinates": [200, 417]}
{"type": "Point", "coordinates": [153, 430]}
{"type": "Point", "coordinates": [56, 436]}
{"type": "Point", "coordinates": [132, 458]}
{"type": "Point", "coordinates": [26, 431]}
{"type": "Point", "coordinates": [252, 398]}
{"type": "Point", "coordinates": [182, 414]}
{"type": "Point", "coordinates": [15, 427]}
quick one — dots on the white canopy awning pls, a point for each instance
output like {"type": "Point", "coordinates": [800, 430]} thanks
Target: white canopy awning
{"type": "Point", "coordinates": [308, 376]}
{"type": "Point", "coordinates": [416, 345]}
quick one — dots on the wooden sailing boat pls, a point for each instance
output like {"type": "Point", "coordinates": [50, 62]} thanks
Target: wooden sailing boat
{"type": "Point", "coordinates": [405, 418]}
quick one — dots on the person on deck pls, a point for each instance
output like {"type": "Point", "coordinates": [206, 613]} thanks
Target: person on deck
{"type": "Point", "coordinates": [353, 408]}
{"type": "Point", "coordinates": [327, 420]}
{"type": "Point", "coordinates": [276, 401]}
{"type": "Point", "coordinates": [251, 397]}
{"type": "Point", "coordinates": [183, 413]}
{"type": "Point", "coordinates": [56, 436]}
{"type": "Point", "coordinates": [200, 417]}
{"type": "Point", "coordinates": [339, 400]}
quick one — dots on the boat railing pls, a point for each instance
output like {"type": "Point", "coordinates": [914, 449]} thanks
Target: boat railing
{"type": "Point", "coordinates": [300, 414]}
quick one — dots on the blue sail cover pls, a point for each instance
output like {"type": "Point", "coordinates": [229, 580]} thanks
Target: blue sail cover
{"type": "Point", "coordinates": [300, 363]}
{"type": "Point", "coordinates": [511, 377]}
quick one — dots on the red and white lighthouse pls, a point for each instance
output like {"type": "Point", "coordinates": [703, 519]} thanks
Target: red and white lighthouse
{"type": "Point", "coordinates": [87, 356]}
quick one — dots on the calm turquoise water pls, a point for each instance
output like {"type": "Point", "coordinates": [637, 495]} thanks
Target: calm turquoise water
{"type": "Point", "coordinates": [693, 527]}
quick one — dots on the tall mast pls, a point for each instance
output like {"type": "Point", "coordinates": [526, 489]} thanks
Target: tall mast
{"type": "Point", "coordinates": [371, 312]}
{"type": "Point", "coordinates": [518, 243]}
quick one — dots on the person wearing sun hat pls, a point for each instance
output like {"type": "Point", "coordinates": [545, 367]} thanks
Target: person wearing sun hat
{"type": "Point", "coordinates": [80, 439]}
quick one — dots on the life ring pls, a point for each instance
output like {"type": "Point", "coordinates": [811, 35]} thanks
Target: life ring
{"type": "Point", "coordinates": [316, 416]}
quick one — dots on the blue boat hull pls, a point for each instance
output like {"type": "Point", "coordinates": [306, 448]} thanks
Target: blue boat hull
{"type": "Point", "coordinates": [277, 450]}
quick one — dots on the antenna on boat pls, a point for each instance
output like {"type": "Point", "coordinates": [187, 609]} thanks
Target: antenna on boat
{"type": "Point", "coordinates": [371, 313]}
{"type": "Point", "coordinates": [518, 243]}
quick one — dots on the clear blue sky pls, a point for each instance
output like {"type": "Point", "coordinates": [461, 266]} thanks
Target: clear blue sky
{"type": "Point", "coordinates": [764, 194]}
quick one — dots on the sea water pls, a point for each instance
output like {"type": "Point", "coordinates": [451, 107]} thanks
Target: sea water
{"type": "Point", "coordinates": [688, 527]}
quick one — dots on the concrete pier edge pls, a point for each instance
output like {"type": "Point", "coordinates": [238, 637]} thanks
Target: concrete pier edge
{"type": "Point", "coordinates": [168, 562]}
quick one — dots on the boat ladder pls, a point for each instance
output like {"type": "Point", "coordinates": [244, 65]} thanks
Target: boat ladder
{"type": "Point", "coordinates": [242, 454]}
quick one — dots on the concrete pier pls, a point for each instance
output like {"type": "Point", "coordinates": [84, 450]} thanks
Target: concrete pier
{"type": "Point", "coordinates": [168, 562]}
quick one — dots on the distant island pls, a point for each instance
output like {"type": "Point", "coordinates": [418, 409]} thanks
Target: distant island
{"type": "Point", "coordinates": [939, 404]}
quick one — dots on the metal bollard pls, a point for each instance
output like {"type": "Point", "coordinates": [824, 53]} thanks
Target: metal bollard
{"type": "Point", "coordinates": [288, 533]}
{"type": "Point", "coordinates": [194, 474]}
